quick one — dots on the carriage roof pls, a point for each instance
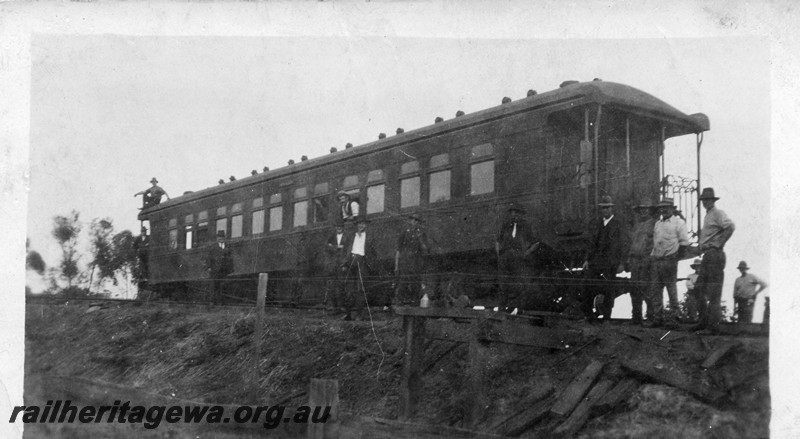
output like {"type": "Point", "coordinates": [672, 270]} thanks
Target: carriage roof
{"type": "Point", "coordinates": [580, 94]}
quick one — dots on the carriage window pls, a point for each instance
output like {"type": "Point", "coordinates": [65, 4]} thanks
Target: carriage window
{"type": "Point", "coordinates": [236, 207]}
{"type": "Point", "coordinates": [258, 222]}
{"type": "Point", "coordinates": [406, 168]}
{"type": "Point", "coordinates": [202, 216]}
{"type": "Point", "coordinates": [375, 175]}
{"type": "Point", "coordinates": [222, 226]}
{"type": "Point", "coordinates": [300, 192]}
{"type": "Point", "coordinates": [482, 150]}
{"type": "Point", "coordinates": [300, 213]}
{"type": "Point", "coordinates": [188, 219]}
{"type": "Point", "coordinates": [222, 211]}
{"type": "Point", "coordinates": [173, 222]}
{"type": "Point", "coordinates": [201, 235]}
{"type": "Point", "coordinates": [189, 234]}
{"type": "Point", "coordinates": [482, 178]}
{"type": "Point", "coordinates": [258, 202]}
{"type": "Point", "coordinates": [321, 188]}
{"type": "Point", "coordinates": [440, 160]}
{"type": "Point", "coordinates": [320, 209]}
{"type": "Point", "coordinates": [173, 239]}
{"type": "Point", "coordinates": [439, 186]}
{"type": "Point", "coordinates": [350, 181]}
{"type": "Point", "coordinates": [409, 192]}
{"type": "Point", "coordinates": [236, 226]}
{"type": "Point", "coordinates": [375, 198]}
{"type": "Point", "coordinates": [275, 198]}
{"type": "Point", "coordinates": [275, 218]}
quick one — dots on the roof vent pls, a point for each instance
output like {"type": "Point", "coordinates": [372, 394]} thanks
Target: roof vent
{"type": "Point", "coordinates": [597, 79]}
{"type": "Point", "coordinates": [506, 100]}
{"type": "Point", "coordinates": [459, 113]}
{"type": "Point", "coordinates": [303, 158]}
{"type": "Point", "coordinates": [221, 181]}
{"type": "Point", "coordinates": [348, 146]}
{"type": "Point", "coordinates": [232, 178]}
{"type": "Point", "coordinates": [566, 83]}
{"type": "Point", "coordinates": [438, 119]}
{"type": "Point", "coordinates": [266, 168]}
{"type": "Point", "coordinates": [382, 136]}
{"type": "Point", "coordinates": [291, 162]}
{"type": "Point", "coordinates": [531, 92]}
{"type": "Point", "coordinates": [253, 172]}
{"type": "Point", "coordinates": [400, 131]}
{"type": "Point", "coordinates": [333, 149]}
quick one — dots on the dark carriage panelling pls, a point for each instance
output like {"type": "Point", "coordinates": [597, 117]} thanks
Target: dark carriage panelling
{"type": "Point", "coordinates": [535, 146]}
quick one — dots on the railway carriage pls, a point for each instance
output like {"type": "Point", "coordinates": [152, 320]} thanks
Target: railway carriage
{"type": "Point", "coordinates": [554, 153]}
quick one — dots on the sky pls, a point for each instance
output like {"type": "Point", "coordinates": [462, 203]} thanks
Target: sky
{"type": "Point", "coordinates": [110, 112]}
{"type": "Point", "coordinates": [108, 96]}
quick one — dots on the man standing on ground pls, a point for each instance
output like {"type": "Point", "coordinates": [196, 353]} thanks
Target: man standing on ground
{"type": "Point", "coordinates": [717, 230]}
{"type": "Point", "coordinates": [608, 247]}
{"type": "Point", "coordinates": [409, 262]}
{"type": "Point", "coordinates": [515, 242]}
{"type": "Point", "coordinates": [745, 291]}
{"type": "Point", "coordinates": [220, 265]}
{"type": "Point", "coordinates": [357, 268]}
{"type": "Point", "coordinates": [639, 260]}
{"type": "Point", "coordinates": [669, 235]}
{"type": "Point", "coordinates": [335, 251]}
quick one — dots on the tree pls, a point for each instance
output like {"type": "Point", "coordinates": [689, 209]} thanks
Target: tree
{"type": "Point", "coordinates": [102, 251]}
{"type": "Point", "coordinates": [124, 255]}
{"type": "Point", "coordinates": [66, 230]}
{"type": "Point", "coordinates": [33, 260]}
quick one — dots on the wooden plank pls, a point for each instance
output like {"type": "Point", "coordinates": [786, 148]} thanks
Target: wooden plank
{"type": "Point", "coordinates": [504, 332]}
{"type": "Point", "coordinates": [476, 378]}
{"type": "Point", "coordinates": [619, 394]}
{"type": "Point", "coordinates": [453, 313]}
{"type": "Point", "coordinates": [536, 410]}
{"type": "Point", "coordinates": [324, 393]}
{"type": "Point", "coordinates": [672, 376]}
{"type": "Point", "coordinates": [717, 354]}
{"type": "Point", "coordinates": [573, 394]}
{"type": "Point", "coordinates": [414, 330]}
{"type": "Point", "coordinates": [581, 413]}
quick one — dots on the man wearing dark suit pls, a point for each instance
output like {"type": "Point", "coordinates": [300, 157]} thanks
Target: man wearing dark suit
{"type": "Point", "coordinates": [335, 254]}
{"type": "Point", "coordinates": [409, 262]}
{"type": "Point", "coordinates": [220, 265]}
{"type": "Point", "coordinates": [359, 263]}
{"type": "Point", "coordinates": [515, 242]}
{"type": "Point", "coordinates": [608, 247]}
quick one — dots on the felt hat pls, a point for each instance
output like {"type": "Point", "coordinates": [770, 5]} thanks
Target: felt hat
{"type": "Point", "coordinates": [708, 194]}
{"type": "Point", "coordinates": [414, 216]}
{"type": "Point", "coordinates": [606, 201]}
{"type": "Point", "coordinates": [340, 193]}
{"type": "Point", "coordinates": [742, 266]}
{"type": "Point", "coordinates": [221, 234]}
{"type": "Point", "coordinates": [697, 262]}
{"type": "Point", "coordinates": [153, 180]}
{"type": "Point", "coordinates": [666, 202]}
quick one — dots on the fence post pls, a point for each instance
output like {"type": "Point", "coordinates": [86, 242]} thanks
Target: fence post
{"type": "Point", "coordinates": [324, 393]}
{"type": "Point", "coordinates": [261, 300]}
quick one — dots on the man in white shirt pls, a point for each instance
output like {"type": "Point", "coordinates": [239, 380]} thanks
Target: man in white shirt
{"type": "Point", "coordinates": [669, 235]}
{"type": "Point", "coordinates": [357, 269]}
{"type": "Point", "coordinates": [745, 290]}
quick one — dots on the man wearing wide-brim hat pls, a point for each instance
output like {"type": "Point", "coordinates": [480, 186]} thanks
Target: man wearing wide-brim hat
{"type": "Point", "coordinates": [691, 291]}
{"type": "Point", "coordinates": [717, 230]}
{"type": "Point", "coordinates": [359, 265]}
{"type": "Point", "coordinates": [514, 243]}
{"type": "Point", "coordinates": [669, 235]}
{"type": "Point", "coordinates": [152, 195]}
{"type": "Point", "coordinates": [409, 262]}
{"type": "Point", "coordinates": [745, 290]}
{"type": "Point", "coordinates": [639, 259]}
{"type": "Point", "coordinates": [606, 253]}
